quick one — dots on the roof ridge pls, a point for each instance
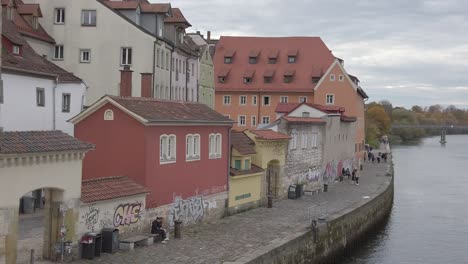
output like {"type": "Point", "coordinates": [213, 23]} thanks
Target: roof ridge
{"type": "Point", "coordinates": [104, 179]}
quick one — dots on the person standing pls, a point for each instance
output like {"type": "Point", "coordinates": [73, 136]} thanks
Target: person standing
{"type": "Point", "coordinates": [356, 176]}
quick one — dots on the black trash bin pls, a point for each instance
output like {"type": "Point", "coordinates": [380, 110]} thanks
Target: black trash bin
{"type": "Point", "coordinates": [87, 247]}
{"type": "Point", "coordinates": [325, 187]}
{"type": "Point", "coordinates": [97, 245]}
{"type": "Point", "coordinates": [110, 240]}
{"type": "Point", "coordinates": [292, 193]}
{"type": "Point", "coordinates": [299, 188]}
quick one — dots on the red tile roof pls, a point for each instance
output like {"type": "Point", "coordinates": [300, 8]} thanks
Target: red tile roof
{"type": "Point", "coordinates": [122, 5]}
{"type": "Point", "coordinates": [242, 143]}
{"type": "Point", "coordinates": [289, 107]}
{"type": "Point", "coordinates": [29, 61]}
{"type": "Point", "coordinates": [286, 107]}
{"type": "Point", "coordinates": [29, 9]}
{"type": "Point", "coordinates": [269, 73]}
{"type": "Point", "coordinates": [249, 73]}
{"type": "Point", "coordinates": [109, 188]}
{"type": "Point", "coordinates": [22, 142]}
{"type": "Point", "coordinates": [156, 8]}
{"type": "Point", "coordinates": [268, 134]}
{"type": "Point", "coordinates": [313, 59]}
{"type": "Point", "coordinates": [155, 110]}
{"type": "Point", "coordinates": [24, 27]}
{"type": "Point", "coordinates": [253, 169]}
{"type": "Point", "coordinates": [177, 17]}
{"type": "Point", "coordinates": [304, 119]}
{"type": "Point", "coordinates": [348, 118]}
{"type": "Point", "coordinates": [223, 72]}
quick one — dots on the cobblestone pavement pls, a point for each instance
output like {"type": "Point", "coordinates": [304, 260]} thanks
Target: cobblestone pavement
{"type": "Point", "coordinates": [31, 232]}
{"type": "Point", "coordinates": [230, 238]}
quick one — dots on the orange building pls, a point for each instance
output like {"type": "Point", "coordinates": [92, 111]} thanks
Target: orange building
{"type": "Point", "coordinates": [254, 74]}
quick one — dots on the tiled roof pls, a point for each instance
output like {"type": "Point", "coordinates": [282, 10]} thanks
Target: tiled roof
{"type": "Point", "coordinates": [22, 142]}
{"type": "Point", "coordinates": [285, 107]}
{"type": "Point", "coordinates": [268, 134]}
{"type": "Point", "coordinates": [25, 27]}
{"type": "Point", "coordinates": [155, 110]}
{"type": "Point", "coordinates": [29, 61]}
{"type": "Point", "coordinates": [242, 143]}
{"type": "Point", "coordinates": [289, 107]}
{"type": "Point", "coordinates": [122, 5]}
{"type": "Point", "coordinates": [313, 58]}
{"type": "Point", "coordinates": [156, 8]}
{"type": "Point", "coordinates": [177, 17]}
{"type": "Point", "coordinates": [29, 9]}
{"type": "Point", "coordinates": [109, 188]}
{"type": "Point", "coordinates": [253, 169]}
{"type": "Point", "coordinates": [348, 118]}
{"type": "Point", "coordinates": [304, 119]}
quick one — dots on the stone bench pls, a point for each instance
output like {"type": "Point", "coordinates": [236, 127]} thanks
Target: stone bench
{"type": "Point", "coordinates": [142, 240]}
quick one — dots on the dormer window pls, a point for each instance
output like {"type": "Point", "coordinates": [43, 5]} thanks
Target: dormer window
{"type": "Point", "coordinates": [10, 13]}
{"type": "Point", "coordinates": [305, 114]}
{"type": "Point", "coordinates": [291, 59]}
{"type": "Point", "coordinates": [228, 55]}
{"type": "Point", "coordinates": [227, 60]}
{"type": "Point", "coordinates": [288, 76]}
{"type": "Point", "coordinates": [315, 79]}
{"type": "Point", "coordinates": [16, 49]}
{"type": "Point", "coordinates": [272, 61]}
{"type": "Point", "coordinates": [252, 60]}
{"type": "Point", "coordinates": [248, 76]}
{"type": "Point", "coordinates": [247, 80]}
{"type": "Point", "coordinates": [253, 56]}
{"type": "Point", "coordinates": [223, 75]}
{"type": "Point", "coordinates": [222, 79]}
{"type": "Point", "coordinates": [35, 22]}
{"type": "Point", "coordinates": [267, 79]}
{"type": "Point", "coordinates": [292, 56]}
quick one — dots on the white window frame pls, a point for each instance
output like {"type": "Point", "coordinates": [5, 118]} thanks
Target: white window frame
{"type": "Point", "coordinates": [247, 80]}
{"type": "Point", "coordinates": [59, 52]}
{"type": "Point", "coordinates": [330, 102]}
{"type": "Point", "coordinates": [240, 119]}
{"type": "Point", "coordinates": [293, 142]}
{"type": "Point", "coordinates": [157, 58]}
{"type": "Point", "coordinates": [66, 105]}
{"type": "Point", "coordinates": [314, 140]}
{"type": "Point", "coordinates": [16, 49]}
{"type": "Point", "coordinates": [263, 100]}
{"type": "Point", "coordinates": [167, 149]}
{"type": "Point", "coordinates": [108, 115]}
{"type": "Point", "coordinates": [82, 59]}
{"type": "Point", "coordinates": [242, 99]}
{"type": "Point", "coordinates": [87, 21]}
{"type": "Point", "coordinates": [228, 97]}
{"type": "Point", "coordinates": [304, 140]}
{"type": "Point", "coordinates": [215, 146]}
{"type": "Point", "coordinates": [59, 16]}
{"type": "Point", "coordinates": [128, 59]}
{"type": "Point", "coordinates": [332, 77]}
{"type": "Point", "coordinates": [341, 78]}
{"type": "Point", "coordinates": [253, 120]}
{"type": "Point", "coordinates": [192, 147]}
{"type": "Point", "coordinates": [254, 100]}
{"type": "Point", "coordinates": [302, 99]}
{"type": "Point", "coordinates": [284, 99]}
{"type": "Point", "coordinates": [263, 120]}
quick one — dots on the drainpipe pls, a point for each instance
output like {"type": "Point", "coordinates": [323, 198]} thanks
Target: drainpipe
{"type": "Point", "coordinates": [170, 71]}
{"type": "Point", "coordinates": [259, 108]}
{"type": "Point", "coordinates": [229, 162]}
{"type": "Point", "coordinates": [53, 104]}
{"type": "Point", "coordinates": [154, 68]}
{"type": "Point", "coordinates": [186, 79]}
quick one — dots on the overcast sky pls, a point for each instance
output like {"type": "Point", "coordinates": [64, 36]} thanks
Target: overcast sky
{"type": "Point", "coordinates": [411, 52]}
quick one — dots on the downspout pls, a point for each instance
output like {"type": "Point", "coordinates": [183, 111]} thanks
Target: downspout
{"type": "Point", "coordinates": [229, 164]}
{"type": "Point", "coordinates": [53, 104]}
{"type": "Point", "coordinates": [186, 79]}
{"type": "Point", "coordinates": [154, 68]}
{"type": "Point", "coordinates": [259, 109]}
{"type": "Point", "coordinates": [170, 71]}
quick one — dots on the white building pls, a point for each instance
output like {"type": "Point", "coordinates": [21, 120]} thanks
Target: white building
{"type": "Point", "coordinates": [37, 95]}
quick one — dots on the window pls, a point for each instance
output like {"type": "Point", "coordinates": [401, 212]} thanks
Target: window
{"type": "Point", "coordinates": [192, 147]}
{"type": "Point", "coordinates": [85, 56]}
{"type": "Point", "coordinates": [66, 99]}
{"type": "Point", "coordinates": [227, 60]}
{"type": "Point", "coordinates": [293, 141]}
{"type": "Point", "coordinates": [222, 79]}
{"type": "Point", "coordinates": [252, 60]}
{"type": "Point", "coordinates": [237, 164]}
{"type": "Point", "coordinates": [305, 114]}
{"type": "Point", "coordinates": [304, 140]}
{"type": "Point", "coordinates": [58, 52]}
{"type": "Point", "coordinates": [162, 59]}
{"type": "Point", "coordinates": [314, 140]}
{"type": "Point", "coordinates": [167, 148]}
{"type": "Point", "coordinates": [291, 59]}
{"type": "Point", "coordinates": [247, 164]}
{"type": "Point", "coordinates": [243, 100]}
{"type": "Point", "coordinates": [283, 99]}
{"type": "Point", "coordinates": [341, 78]}
{"type": "Point", "coordinates": [10, 13]}
{"type": "Point", "coordinates": [35, 22]}
{"type": "Point", "coordinates": [330, 99]}
{"type": "Point", "coordinates": [254, 100]}
{"type": "Point", "coordinates": [59, 16]}
{"type": "Point", "coordinates": [108, 115]}
{"type": "Point", "coordinates": [1, 92]}
{"type": "Point", "coordinates": [303, 99]}
{"type": "Point", "coordinates": [272, 61]}
{"type": "Point", "coordinates": [241, 120]}
{"type": "Point", "coordinates": [227, 100]}
{"type": "Point", "coordinates": [254, 121]}
{"type": "Point", "coordinates": [315, 79]}
{"type": "Point", "coordinates": [157, 58]}
{"type": "Point", "coordinates": [193, 69]}
{"type": "Point", "coordinates": [215, 146]}
{"type": "Point", "coordinates": [88, 18]}
{"type": "Point", "coordinates": [287, 79]}
{"type": "Point", "coordinates": [40, 96]}
{"type": "Point", "coordinates": [172, 64]}
{"type": "Point", "coordinates": [267, 79]}
{"type": "Point", "coordinates": [247, 80]}
{"type": "Point", "coordinates": [167, 60]}
{"type": "Point", "coordinates": [183, 67]}
{"type": "Point", "coordinates": [265, 120]}
{"type": "Point", "coordinates": [332, 77]}
{"type": "Point", "coordinates": [16, 49]}
{"type": "Point", "coordinates": [126, 56]}
{"type": "Point", "coordinates": [266, 100]}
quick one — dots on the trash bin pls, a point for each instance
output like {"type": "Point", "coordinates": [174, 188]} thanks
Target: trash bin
{"type": "Point", "coordinates": [292, 193]}
{"type": "Point", "coordinates": [110, 240]}
{"type": "Point", "coordinates": [87, 247]}
{"type": "Point", "coordinates": [325, 188]}
{"type": "Point", "coordinates": [97, 245]}
{"type": "Point", "coordinates": [299, 188]}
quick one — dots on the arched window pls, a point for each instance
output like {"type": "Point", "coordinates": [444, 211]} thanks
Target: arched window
{"type": "Point", "coordinates": [215, 146]}
{"type": "Point", "coordinates": [109, 115]}
{"type": "Point", "coordinates": [167, 148]}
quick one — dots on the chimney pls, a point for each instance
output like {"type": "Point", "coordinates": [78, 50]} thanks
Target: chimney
{"type": "Point", "coordinates": [146, 81]}
{"type": "Point", "coordinates": [198, 32]}
{"type": "Point", "coordinates": [126, 81]}
{"type": "Point", "coordinates": [208, 35]}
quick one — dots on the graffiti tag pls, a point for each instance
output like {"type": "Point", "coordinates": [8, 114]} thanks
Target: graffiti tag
{"type": "Point", "coordinates": [127, 214]}
{"type": "Point", "coordinates": [188, 211]}
{"type": "Point", "coordinates": [91, 218]}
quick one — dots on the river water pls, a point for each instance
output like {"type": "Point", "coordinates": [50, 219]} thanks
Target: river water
{"type": "Point", "coordinates": [429, 220]}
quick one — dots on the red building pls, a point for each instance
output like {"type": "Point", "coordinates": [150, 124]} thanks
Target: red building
{"type": "Point", "coordinates": [174, 149]}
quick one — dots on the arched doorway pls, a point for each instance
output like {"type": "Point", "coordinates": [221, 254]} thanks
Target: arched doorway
{"type": "Point", "coordinates": [272, 178]}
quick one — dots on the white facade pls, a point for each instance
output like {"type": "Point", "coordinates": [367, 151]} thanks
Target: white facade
{"type": "Point", "coordinates": [105, 41]}
{"type": "Point", "coordinates": [21, 112]}
{"type": "Point", "coordinates": [184, 77]}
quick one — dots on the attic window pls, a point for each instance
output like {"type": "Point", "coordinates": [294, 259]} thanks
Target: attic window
{"type": "Point", "coordinates": [288, 79]}
{"type": "Point", "coordinates": [315, 79]}
{"type": "Point", "coordinates": [268, 79]}
{"type": "Point", "coordinates": [222, 79]}
{"type": "Point", "coordinates": [305, 114]}
{"type": "Point", "coordinates": [109, 115]}
{"type": "Point", "coordinates": [253, 60]}
{"type": "Point", "coordinates": [16, 49]}
{"type": "Point", "coordinates": [10, 13]}
{"type": "Point", "coordinates": [291, 59]}
{"type": "Point", "coordinates": [247, 80]}
{"type": "Point", "coordinates": [227, 60]}
{"type": "Point", "coordinates": [272, 61]}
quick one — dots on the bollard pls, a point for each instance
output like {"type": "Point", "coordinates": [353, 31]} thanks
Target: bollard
{"type": "Point", "coordinates": [270, 201]}
{"type": "Point", "coordinates": [177, 229]}
{"type": "Point", "coordinates": [32, 257]}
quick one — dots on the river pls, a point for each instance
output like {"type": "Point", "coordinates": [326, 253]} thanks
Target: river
{"type": "Point", "coordinates": [429, 219]}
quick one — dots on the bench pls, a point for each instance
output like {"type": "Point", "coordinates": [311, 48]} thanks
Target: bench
{"type": "Point", "coordinates": [129, 243]}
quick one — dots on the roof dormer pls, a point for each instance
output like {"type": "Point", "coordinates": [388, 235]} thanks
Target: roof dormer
{"type": "Point", "coordinates": [222, 75]}
{"type": "Point", "coordinates": [288, 76]}
{"type": "Point", "coordinates": [228, 56]}
{"type": "Point", "coordinates": [292, 56]}
{"type": "Point", "coordinates": [273, 57]}
{"type": "Point", "coordinates": [253, 56]}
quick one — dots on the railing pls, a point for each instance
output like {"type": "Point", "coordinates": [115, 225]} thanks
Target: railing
{"type": "Point", "coordinates": [430, 126]}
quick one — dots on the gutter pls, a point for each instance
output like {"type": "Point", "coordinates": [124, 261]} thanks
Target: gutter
{"type": "Point", "coordinates": [154, 68]}
{"type": "Point", "coordinates": [54, 126]}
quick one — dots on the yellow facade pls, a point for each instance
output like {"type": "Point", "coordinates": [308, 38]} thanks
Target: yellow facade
{"type": "Point", "coordinates": [244, 189]}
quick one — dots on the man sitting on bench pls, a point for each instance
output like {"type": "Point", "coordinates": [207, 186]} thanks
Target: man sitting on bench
{"type": "Point", "coordinates": [156, 228]}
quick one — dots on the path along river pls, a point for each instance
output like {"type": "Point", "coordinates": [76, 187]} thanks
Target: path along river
{"type": "Point", "coordinates": [429, 220]}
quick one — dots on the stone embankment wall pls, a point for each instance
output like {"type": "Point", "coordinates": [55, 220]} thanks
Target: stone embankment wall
{"type": "Point", "coordinates": [329, 240]}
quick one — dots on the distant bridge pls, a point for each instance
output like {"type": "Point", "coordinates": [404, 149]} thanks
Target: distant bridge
{"type": "Point", "coordinates": [431, 126]}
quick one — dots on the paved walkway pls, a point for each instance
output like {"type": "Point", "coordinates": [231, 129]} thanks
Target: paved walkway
{"type": "Point", "coordinates": [230, 238]}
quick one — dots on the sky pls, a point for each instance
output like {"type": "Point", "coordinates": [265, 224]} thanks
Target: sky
{"type": "Point", "coordinates": [410, 52]}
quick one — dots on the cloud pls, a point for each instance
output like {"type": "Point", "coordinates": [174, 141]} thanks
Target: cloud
{"type": "Point", "coordinates": [409, 52]}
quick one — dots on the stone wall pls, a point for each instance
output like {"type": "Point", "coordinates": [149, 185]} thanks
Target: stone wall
{"type": "Point", "coordinates": [328, 241]}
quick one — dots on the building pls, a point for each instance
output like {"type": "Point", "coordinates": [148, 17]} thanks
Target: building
{"type": "Point", "coordinates": [206, 88]}
{"type": "Point", "coordinates": [96, 38]}
{"type": "Point", "coordinates": [245, 181]}
{"type": "Point", "coordinates": [254, 74]}
{"type": "Point", "coordinates": [36, 94]}
{"type": "Point", "coordinates": [179, 151]}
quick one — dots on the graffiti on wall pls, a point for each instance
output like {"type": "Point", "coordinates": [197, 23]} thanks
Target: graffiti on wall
{"type": "Point", "coordinates": [333, 169]}
{"type": "Point", "coordinates": [189, 211]}
{"type": "Point", "coordinates": [98, 216]}
{"type": "Point", "coordinates": [313, 174]}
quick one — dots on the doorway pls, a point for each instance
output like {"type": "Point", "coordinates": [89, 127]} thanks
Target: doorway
{"type": "Point", "coordinates": [272, 175]}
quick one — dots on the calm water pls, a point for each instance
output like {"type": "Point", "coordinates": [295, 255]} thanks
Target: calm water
{"type": "Point", "coordinates": [429, 221]}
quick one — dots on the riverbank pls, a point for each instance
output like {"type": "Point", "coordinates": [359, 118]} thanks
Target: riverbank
{"type": "Point", "coordinates": [255, 236]}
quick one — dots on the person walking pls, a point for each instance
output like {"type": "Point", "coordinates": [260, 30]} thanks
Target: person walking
{"type": "Point", "coordinates": [356, 176]}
